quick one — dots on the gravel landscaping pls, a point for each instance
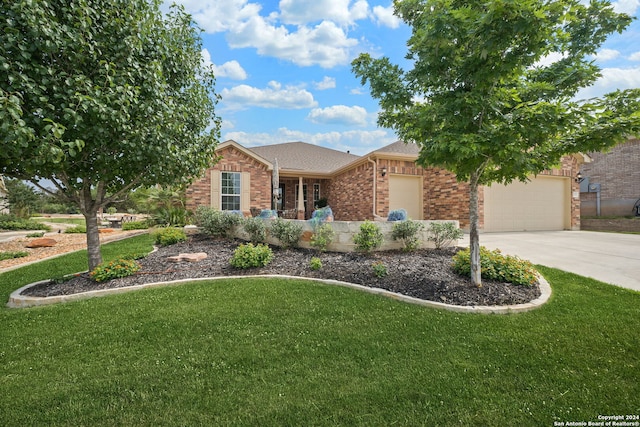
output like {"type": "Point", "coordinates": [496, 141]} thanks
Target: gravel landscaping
{"type": "Point", "coordinates": [424, 274]}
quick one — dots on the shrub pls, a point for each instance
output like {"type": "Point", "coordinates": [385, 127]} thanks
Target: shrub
{"type": "Point", "coordinates": [169, 236]}
{"type": "Point", "coordinates": [397, 215]}
{"type": "Point", "coordinates": [407, 232]}
{"type": "Point", "coordinates": [248, 256]}
{"type": "Point", "coordinates": [286, 231]}
{"type": "Point", "coordinates": [37, 234]}
{"type": "Point", "coordinates": [117, 268]}
{"type": "Point", "coordinates": [135, 225]}
{"type": "Point", "coordinates": [322, 237]}
{"type": "Point", "coordinates": [369, 237]}
{"type": "Point", "coordinates": [217, 223]}
{"type": "Point", "coordinates": [495, 266]}
{"type": "Point", "coordinates": [443, 233]}
{"type": "Point", "coordinates": [111, 210]}
{"type": "Point", "coordinates": [256, 228]}
{"type": "Point", "coordinates": [379, 269]}
{"type": "Point", "coordinates": [12, 222]}
{"type": "Point", "coordinates": [315, 263]}
{"type": "Point", "coordinates": [12, 254]}
{"type": "Point", "coordinates": [172, 216]}
{"type": "Point", "coordinates": [77, 229]}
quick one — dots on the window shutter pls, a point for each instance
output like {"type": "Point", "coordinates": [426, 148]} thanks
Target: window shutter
{"type": "Point", "coordinates": [216, 177]}
{"type": "Point", "coordinates": [245, 189]}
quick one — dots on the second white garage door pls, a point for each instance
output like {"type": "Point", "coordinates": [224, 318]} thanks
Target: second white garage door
{"type": "Point", "coordinates": [544, 203]}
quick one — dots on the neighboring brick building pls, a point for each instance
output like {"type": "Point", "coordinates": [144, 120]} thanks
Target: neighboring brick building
{"type": "Point", "coordinates": [370, 186]}
{"type": "Point", "coordinates": [618, 174]}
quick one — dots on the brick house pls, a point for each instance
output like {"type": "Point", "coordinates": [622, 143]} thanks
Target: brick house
{"type": "Point", "coordinates": [368, 187]}
{"type": "Point", "coordinates": [616, 174]}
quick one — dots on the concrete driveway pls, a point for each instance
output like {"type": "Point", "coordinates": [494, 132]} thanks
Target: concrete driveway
{"type": "Point", "coordinates": [609, 257]}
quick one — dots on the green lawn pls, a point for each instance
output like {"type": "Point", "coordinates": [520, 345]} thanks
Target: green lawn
{"type": "Point", "coordinates": [275, 352]}
{"type": "Point", "coordinates": [74, 221]}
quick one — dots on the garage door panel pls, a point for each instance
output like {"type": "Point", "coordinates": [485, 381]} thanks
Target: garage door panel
{"type": "Point", "coordinates": [405, 192]}
{"type": "Point", "coordinates": [541, 204]}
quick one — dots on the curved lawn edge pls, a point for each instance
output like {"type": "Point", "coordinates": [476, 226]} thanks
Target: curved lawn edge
{"type": "Point", "coordinates": [16, 300]}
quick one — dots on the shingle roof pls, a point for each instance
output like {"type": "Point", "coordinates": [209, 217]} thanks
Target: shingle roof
{"type": "Point", "coordinates": [304, 156]}
{"type": "Point", "coordinates": [400, 147]}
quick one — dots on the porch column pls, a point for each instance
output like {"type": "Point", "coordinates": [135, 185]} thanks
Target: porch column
{"type": "Point", "coordinates": [300, 199]}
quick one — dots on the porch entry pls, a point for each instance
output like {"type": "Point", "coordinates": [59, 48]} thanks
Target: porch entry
{"type": "Point", "coordinates": [405, 192]}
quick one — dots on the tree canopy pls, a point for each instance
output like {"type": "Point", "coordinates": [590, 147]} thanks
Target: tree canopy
{"type": "Point", "coordinates": [491, 95]}
{"type": "Point", "coordinates": [100, 97]}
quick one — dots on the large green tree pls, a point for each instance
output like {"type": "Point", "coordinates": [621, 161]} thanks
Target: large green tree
{"type": "Point", "coordinates": [102, 96]}
{"type": "Point", "coordinates": [491, 95]}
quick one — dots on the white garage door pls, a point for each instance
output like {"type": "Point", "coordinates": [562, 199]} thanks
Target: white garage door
{"type": "Point", "coordinates": [544, 203]}
{"type": "Point", "coordinates": [405, 192]}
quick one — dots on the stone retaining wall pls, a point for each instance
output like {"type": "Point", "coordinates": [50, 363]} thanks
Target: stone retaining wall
{"type": "Point", "coordinates": [345, 230]}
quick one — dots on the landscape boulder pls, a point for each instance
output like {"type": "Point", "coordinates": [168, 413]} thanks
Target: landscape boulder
{"type": "Point", "coordinates": [189, 257]}
{"type": "Point", "coordinates": [41, 243]}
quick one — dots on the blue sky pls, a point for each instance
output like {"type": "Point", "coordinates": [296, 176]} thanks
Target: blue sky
{"type": "Point", "coordinates": [283, 67]}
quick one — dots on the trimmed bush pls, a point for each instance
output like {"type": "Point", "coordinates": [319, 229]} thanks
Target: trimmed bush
{"type": "Point", "coordinates": [379, 269]}
{"type": "Point", "coordinates": [322, 237]}
{"type": "Point", "coordinates": [117, 268]}
{"type": "Point", "coordinates": [496, 266]}
{"type": "Point", "coordinates": [369, 237]}
{"type": "Point", "coordinates": [135, 225]}
{"type": "Point", "coordinates": [250, 256]}
{"type": "Point", "coordinates": [169, 236]}
{"type": "Point", "coordinates": [13, 254]}
{"type": "Point", "coordinates": [407, 232]}
{"type": "Point", "coordinates": [77, 229]}
{"type": "Point", "coordinates": [256, 229]}
{"type": "Point", "coordinates": [217, 223]}
{"type": "Point", "coordinates": [315, 263]}
{"type": "Point", "coordinates": [286, 231]}
{"type": "Point", "coordinates": [12, 222]}
{"type": "Point", "coordinates": [442, 234]}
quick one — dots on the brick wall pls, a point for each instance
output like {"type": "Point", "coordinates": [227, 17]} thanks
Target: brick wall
{"type": "Point", "coordinates": [618, 173]}
{"type": "Point", "coordinates": [448, 199]}
{"type": "Point", "coordinates": [350, 194]}
{"type": "Point", "coordinates": [233, 160]}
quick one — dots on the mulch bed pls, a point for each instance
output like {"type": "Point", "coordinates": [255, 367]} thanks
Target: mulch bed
{"type": "Point", "coordinates": [424, 274]}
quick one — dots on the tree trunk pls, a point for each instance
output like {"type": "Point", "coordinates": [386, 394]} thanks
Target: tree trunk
{"type": "Point", "coordinates": [93, 238]}
{"type": "Point", "coordinates": [474, 238]}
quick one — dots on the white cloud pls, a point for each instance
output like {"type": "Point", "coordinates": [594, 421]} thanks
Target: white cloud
{"type": "Point", "coordinates": [626, 6]}
{"type": "Point", "coordinates": [273, 96]}
{"type": "Point", "coordinates": [339, 114]}
{"type": "Point", "coordinates": [216, 16]}
{"type": "Point", "coordinates": [634, 56]}
{"type": "Point", "coordinates": [325, 45]}
{"type": "Point", "coordinates": [607, 55]}
{"type": "Point", "coordinates": [326, 83]}
{"type": "Point", "coordinates": [359, 142]}
{"type": "Point", "coordinates": [231, 69]}
{"type": "Point", "coordinates": [549, 59]}
{"type": "Point", "coordinates": [384, 16]}
{"type": "Point", "coordinates": [612, 79]}
{"type": "Point", "coordinates": [300, 12]}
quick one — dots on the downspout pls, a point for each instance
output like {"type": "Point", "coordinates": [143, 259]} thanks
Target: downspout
{"type": "Point", "coordinates": [375, 189]}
